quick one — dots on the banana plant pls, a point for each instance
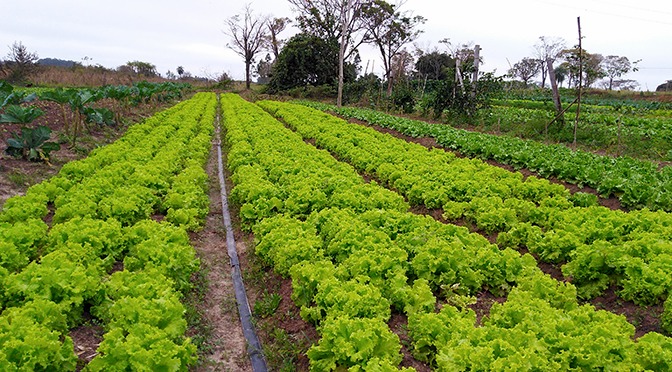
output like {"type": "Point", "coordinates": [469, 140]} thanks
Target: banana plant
{"type": "Point", "coordinates": [32, 144]}
{"type": "Point", "coordinates": [20, 115]}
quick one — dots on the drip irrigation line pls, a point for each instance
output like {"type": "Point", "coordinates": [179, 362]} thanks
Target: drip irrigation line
{"type": "Point", "coordinates": [254, 349]}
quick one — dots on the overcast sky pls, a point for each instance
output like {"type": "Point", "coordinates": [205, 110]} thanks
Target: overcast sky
{"type": "Point", "coordinates": [170, 33]}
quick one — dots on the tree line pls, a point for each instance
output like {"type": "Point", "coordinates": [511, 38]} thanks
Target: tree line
{"type": "Point", "coordinates": [593, 66]}
{"type": "Point", "coordinates": [324, 56]}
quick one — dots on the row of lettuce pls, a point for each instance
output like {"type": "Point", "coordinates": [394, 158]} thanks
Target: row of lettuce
{"type": "Point", "coordinates": [632, 107]}
{"type": "Point", "coordinates": [356, 256]}
{"type": "Point", "coordinates": [597, 247]}
{"type": "Point", "coordinates": [636, 183]}
{"type": "Point", "coordinates": [617, 127]}
{"type": "Point", "coordinates": [615, 132]}
{"type": "Point", "coordinates": [104, 252]}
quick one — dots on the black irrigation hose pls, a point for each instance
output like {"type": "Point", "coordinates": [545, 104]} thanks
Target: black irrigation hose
{"type": "Point", "coordinates": [254, 348]}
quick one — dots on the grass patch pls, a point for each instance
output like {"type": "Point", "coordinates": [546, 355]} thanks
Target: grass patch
{"type": "Point", "coordinates": [20, 179]}
{"type": "Point", "coordinates": [199, 329]}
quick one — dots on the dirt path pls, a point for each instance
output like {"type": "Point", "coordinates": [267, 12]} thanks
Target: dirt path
{"type": "Point", "coordinates": [225, 343]}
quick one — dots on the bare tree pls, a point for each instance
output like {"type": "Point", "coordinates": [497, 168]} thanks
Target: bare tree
{"type": "Point", "coordinates": [465, 59]}
{"type": "Point", "coordinates": [402, 65]}
{"type": "Point", "coordinates": [247, 37]}
{"type": "Point", "coordinates": [275, 27]}
{"type": "Point", "coordinates": [525, 69]}
{"type": "Point", "coordinates": [547, 48]}
{"type": "Point", "coordinates": [390, 30]}
{"type": "Point", "coordinates": [349, 23]}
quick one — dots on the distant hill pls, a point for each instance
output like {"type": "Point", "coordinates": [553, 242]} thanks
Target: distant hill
{"type": "Point", "coordinates": [56, 62]}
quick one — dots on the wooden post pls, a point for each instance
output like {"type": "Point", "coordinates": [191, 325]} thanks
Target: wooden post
{"type": "Point", "coordinates": [554, 88]}
{"type": "Point", "coordinates": [578, 100]}
{"type": "Point", "coordinates": [458, 74]}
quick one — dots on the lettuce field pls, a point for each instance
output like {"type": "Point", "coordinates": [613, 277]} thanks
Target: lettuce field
{"type": "Point", "coordinates": [399, 257]}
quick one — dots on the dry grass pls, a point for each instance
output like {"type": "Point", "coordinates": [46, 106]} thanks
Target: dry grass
{"type": "Point", "coordinates": [91, 76]}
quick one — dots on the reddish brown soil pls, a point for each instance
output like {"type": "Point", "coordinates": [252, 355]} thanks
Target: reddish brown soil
{"type": "Point", "coordinates": [645, 318]}
{"type": "Point", "coordinates": [484, 302]}
{"type": "Point", "coordinates": [398, 323]}
{"type": "Point", "coordinates": [86, 339]}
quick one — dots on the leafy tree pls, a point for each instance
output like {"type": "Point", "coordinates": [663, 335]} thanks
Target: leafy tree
{"type": "Point", "coordinates": [321, 18]}
{"type": "Point", "coordinates": [20, 63]}
{"type": "Point", "coordinates": [390, 29]}
{"type": "Point", "coordinates": [561, 73]}
{"type": "Point", "coordinates": [434, 65]}
{"type": "Point", "coordinates": [307, 60]}
{"type": "Point", "coordinates": [340, 20]}
{"type": "Point", "coordinates": [448, 98]}
{"type": "Point", "coordinates": [591, 66]}
{"type": "Point", "coordinates": [263, 70]}
{"type": "Point", "coordinates": [614, 67]}
{"type": "Point", "coordinates": [224, 81]}
{"type": "Point", "coordinates": [180, 71]}
{"type": "Point", "coordinates": [142, 68]}
{"type": "Point", "coordinates": [465, 63]}
{"type": "Point", "coordinates": [547, 48]}
{"type": "Point", "coordinates": [525, 69]}
{"type": "Point", "coordinates": [247, 37]}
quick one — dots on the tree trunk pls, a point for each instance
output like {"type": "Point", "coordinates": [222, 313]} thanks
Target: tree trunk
{"type": "Point", "coordinates": [477, 50]}
{"type": "Point", "coordinates": [341, 62]}
{"type": "Point", "coordinates": [543, 75]}
{"type": "Point", "coordinates": [345, 19]}
{"type": "Point", "coordinates": [247, 74]}
{"type": "Point", "coordinates": [554, 88]}
{"type": "Point", "coordinates": [578, 100]}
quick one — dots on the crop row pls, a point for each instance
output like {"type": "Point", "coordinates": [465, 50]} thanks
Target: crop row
{"type": "Point", "coordinates": [636, 183]}
{"type": "Point", "coordinates": [106, 252]}
{"type": "Point", "coordinates": [599, 247]}
{"type": "Point", "coordinates": [610, 123]}
{"type": "Point", "coordinates": [353, 266]}
{"type": "Point", "coordinates": [641, 109]}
